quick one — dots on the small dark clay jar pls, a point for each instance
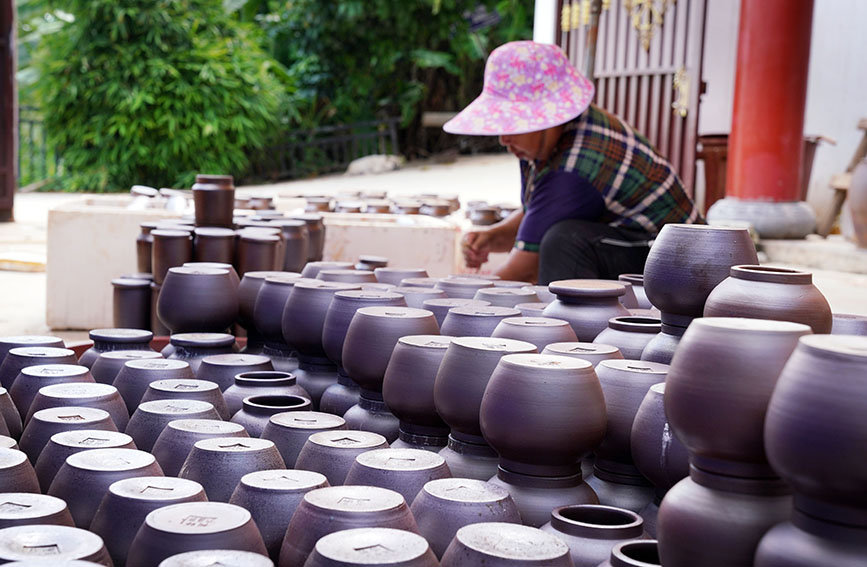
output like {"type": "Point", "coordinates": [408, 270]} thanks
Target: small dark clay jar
{"type": "Point", "coordinates": [105, 340]}
{"type": "Point", "coordinates": [587, 305]}
{"type": "Point", "coordinates": [131, 303]}
{"type": "Point", "coordinates": [171, 248]}
{"type": "Point", "coordinates": [214, 200]}
{"type": "Point", "coordinates": [213, 244]}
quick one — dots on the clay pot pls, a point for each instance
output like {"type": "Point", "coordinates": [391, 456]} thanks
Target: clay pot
{"type": "Point", "coordinates": [214, 200]}
{"type": "Point", "coordinates": [475, 321]}
{"type": "Point", "coordinates": [808, 541]}
{"type": "Point", "coordinates": [636, 282]}
{"type": "Point", "coordinates": [418, 282]}
{"type": "Point", "coordinates": [89, 395]}
{"type": "Point", "coordinates": [136, 375]}
{"type": "Point", "coordinates": [194, 347]}
{"type": "Point", "coordinates": [150, 418]}
{"type": "Point", "coordinates": [26, 508]}
{"type": "Point", "coordinates": [722, 427]}
{"type": "Point", "coordinates": [7, 442]}
{"type": "Point", "coordinates": [630, 334]}
{"type": "Point", "coordinates": [62, 445]}
{"type": "Point", "coordinates": [333, 452]}
{"type": "Point", "coordinates": [32, 378]}
{"type": "Point", "coordinates": [105, 340]}
{"type": "Point", "coordinates": [662, 347]}
{"type": "Point", "coordinates": [214, 244]}
{"type": "Point", "coordinates": [541, 331]}
{"type": "Point", "coordinates": [45, 423]}
{"type": "Point", "coordinates": [259, 250]}
{"type": "Point", "coordinates": [257, 410]}
{"type": "Point", "coordinates": [405, 471]}
{"type": "Point", "coordinates": [21, 357]}
{"type": "Point", "coordinates": [297, 243]}
{"type": "Point", "coordinates": [261, 383]}
{"type": "Point", "coordinates": [463, 287]}
{"type": "Point", "coordinates": [481, 544]}
{"type": "Point", "coordinates": [17, 341]}
{"type": "Point", "coordinates": [86, 476]}
{"type": "Point", "coordinates": [407, 207]}
{"type": "Point", "coordinates": [312, 269]}
{"type": "Point", "coordinates": [185, 389]}
{"type": "Point", "coordinates": [171, 248]}
{"type": "Point", "coordinates": [290, 430]}
{"type": "Point", "coordinates": [208, 557]}
{"type": "Point", "coordinates": [848, 324]}
{"type": "Point", "coordinates": [349, 548]}
{"type": "Point", "coordinates": [687, 261]}
{"type": "Point", "coordinates": [316, 232]}
{"type": "Point", "coordinates": [444, 506]}
{"type": "Point", "coordinates": [591, 352]}
{"type": "Point", "coordinates": [715, 520]}
{"type": "Point", "coordinates": [156, 325]}
{"type": "Point", "coordinates": [587, 305]}
{"type": "Point", "coordinates": [222, 369]}
{"type": "Point", "coordinates": [553, 434]}
{"type": "Point", "coordinates": [808, 425]}
{"type": "Point", "coordinates": [416, 296]}
{"type": "Point", "coordinates": [219, 463]}
{"type": "Point", "coordinates": [72, 546]}
{"type": "Point", "coordinates": [534, 309]}
{"type": "Point", "coordinates": [506, 296]}
{"type": "Point", "coordinates": [542, 292]}
{"type": "Point", "coordinates": [217, 266]}
{"type": "Point", "coordinates": [178, 437]}
{"type": "Point", "coordinates": [197, 300]}
{"type": "Point", "coordinates": [16, 472]}
{"type": "Point", "coordinates": [628, 491]}
{"type": "Point", "coordinates": [248, 290]}
{"type": "Point", "coordinates": [127, 503]}
{"type": "Point", "coordinates": [328, 510]}
{"type": "Point", "coordinates": [394, 276]}
{"type": "Point", "coordinates": [109, 364]}
{"type": "Point", "coordinates": [592, 531]}
{"type": "Point", "coordinates": [634, 554]}
{"type": "Point", "coordinates": [440, 307]}
{"type": "Point", "coordinates": [195, 526]}
{"type": "Point", "coordinates": [408, 389]}
{"type": "Point", "coordinates": [143, 247]}
{"type": "Point", "coordinates": [10, 420]}
{"type": "Point", "coordinates": [347, 276]}
{"type": "Point", "coordinates": [762, 292]}
{"type": "Point", "coordinates": [272, 498]}
{"type": "Point", "coordinates": [268, 309]}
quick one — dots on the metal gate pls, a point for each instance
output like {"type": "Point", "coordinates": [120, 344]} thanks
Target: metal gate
{"type": "Point", "coordinates": [8, 103]}
{"type": "Point", "coordinates": [646, 66]}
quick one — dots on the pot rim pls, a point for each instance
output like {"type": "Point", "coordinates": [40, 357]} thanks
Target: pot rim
{"type": "Point", "coordinates": [770, 274]}
{"type": "Point", "coordinates": [587, 288]}
{"type": "Point", "coordinates": [635, 324]}
{"type": "Point", "coordinates": [631, 554]}
{"type": "Point", "coordinates": [597, 521]}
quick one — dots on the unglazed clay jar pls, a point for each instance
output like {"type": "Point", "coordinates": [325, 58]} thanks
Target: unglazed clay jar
{"type": "Point", "coordinates": [662, 347]}
{"type": "Point", "coordinates": [22, 357]}
{"type": "Point", "coordinates": [630, 334]}
{"type": "Point", "coordinates": [9, 416]}
{"type": "Point", "coordinates": [462, 287]}
{"type": "Point", "coordinates": [848, 324]}
{"type": "Point", "coordinates": [328, 510]}
{"type": "Point", "coordinates": [687, 261]}
{"type": "Point", "coordinates": [561, 408]}
{"type": "Point", "coordinates": [136, 375]}
{"type": "Point", "coordinates": [816, 417]}
{"type": "Point", "coordinates": [105, 340]}
{"type": "Point", "coordinates": [333, 453]}
{"type": "Point", "coordinates": [223, 369]}
{"type": "Point", "coordinates": [719, 386]}
{"type": "Point", "coordinates": [592, 531]}
{"type": "Point", "coordinates": [506, 296]}
{"type": "Point", "coordinates": [394, 276]}
{"type": "Point", "coordinates": [473, 321]}
{"type": "Point", "coordinates": [16, 341]}
{"type": "Point", "coordinates": [198, 300]}
{"type": "Point", "coordinates": [541, 331]}
{"type": "Point", "coordinates": [634, 554]}
{"type": "Point", "coordinates": [637, 284]}
{"type": "Point", "coordinates": [808, 541]}
{"type": "Point", "coordinates": [16, 472]}
{"type": "Point", "coordinates": [347, 276]}
{"type": "Point", "coordinates": [403, 470]}
{"type": "Point", "coordinates": [535, 309]}
{"type": "Point", "coordinates": [210, 557]}
{"type": "Point", "coordinates": [151, 418]}
{"type": "Point", "coordinates": [593, 353]}
{"type": "Point", "coordinates": [109, 364]}
{"type": "Point", "coordinates": [350, 548]}
{"type": "Point", "coordinates": [587, 305]}
{"type": "Point", "coordinates": [312, 269]}
{"type": "Point", "coordinates": [271, 298]}
{"type": "Point", "coordinates": [444, 506]}
{"type": "Point", "coordinates": [441, 307]}
{"type": "Point", "coordinates": [47, 422]}
{"type": "Point", "coordinates": [247, 292]}
{"type": "Point", "coordinates": [32, 378]}
{"type": "Point", "coordinates": [203, 390]}
{"type": "Point", "coordinates": [305, 311]}
{"type": "Point", "coordinates": [416, 296]}
{"type": "Point", "coordinates": [195, 347]}
{"type": "Point", "coordinates": [25, 508]}
{"type": "Point", "coordinates": [497, 544]}
{"type": "Point", "coordinates": [763, 292]}
{"type": "Point", "coordinates": [542, 292]}
{"type": "Point", "coordinates": [28, 543]}
{"type": "Point", "coordinates": [418, 282]}
{"type": "Point", "coordinates": [261, 383]}
{"type": "Point", "coordinates": [90, 395]}
{"type": "Point", "coordinates": [628, 491]}
{"type": "Point", "coordinates": [178, 437]}
{"type": "Point", "coordinates": [257, 410]}
{"type": "Point", "coordinates": [290, 430]}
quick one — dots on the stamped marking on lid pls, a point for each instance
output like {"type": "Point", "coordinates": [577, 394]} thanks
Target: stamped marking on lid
{"type": "Point", "coordinates": [395, 314]}
{"type": "Point", "coordinates": [51, 370]}
{"type": "Point", "coordinates": [581, 349]}
{"type": "Point", "coordinates": [156, 364]}
{"type": "Point", "coordinates": [176, 408]}
{"type": "Point", "coordinates": [75, 417]}
{"type": "Point", "coordinates": [237, 445]}
{"type": "Point", "coordinates": [186, 387]}
{"type": "Point", "coordinates": [197, 521]}
{"type": "Point", "coordinates": [345, 441]}
{"type": "Point", "coordinates": [496, 346]}
{"type": "Point", "coordinates": [44, 549]}
{"type": "Point", "coordinates": [640, 368]}
{"type": "Point", "coordinates": [150, 489]}
{"type": "Point", "coordinates": [399, 460]}
{"type": "Point", "coordinates": [281, 478]}
{"type": "Point", "coordinates": [352, 501]}
{"type": "Point", "coordinates": [377, 548]}
{"type": "Point", "coordinates": [13, 507]}
{"type": "Point", "coordinates": [93, 441]}
{"type": "Point", "coordinates": [463, 490]}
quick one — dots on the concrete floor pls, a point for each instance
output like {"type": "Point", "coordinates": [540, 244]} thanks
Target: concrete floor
{"type": "Point", "coordinates": [492, 178]}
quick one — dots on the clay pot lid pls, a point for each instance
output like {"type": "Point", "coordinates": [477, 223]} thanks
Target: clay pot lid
{"type": "Point", "coordinates": [418, 282]}
{"type": "Point", "coordinates": [209, 426]}
{"type": "Point", "coordinates": [198, 518]}
{"type": "Point", "coordinates": [149, 224]}
{"type": "Point", "coordinates": [466, 490]}
{"type": "Point", "coordinates": [266, 377]}
{"type": "Point", "coordinates": [183, 385]}
{"type": "Point", "coordinates": [370, 260]}
{"type": "Point", "coordinates": [346, 276]}
{"type": "Point", "coordinates": [274, 402]}
{"type": "Point", "coordinates": [289, 223]}
{"type": "Point", "coordinates": [210, 265]}
{"type": "Point", "coordinates": [32, 542]}
{"type": "Point", "coordinates": [156, 488]}
{"type": "Point", "coordinates": [261, 275]}
{"type": "Point", "coordinates": [634, 279]}
{"type": "Point", "coordinates": [491, 344]}
{"type": "Point", "coordinates": [323, 265]}
{"type": "Point", "coordinates": [512, 284]}
{"type": "Point", "coordinates": [131, 282]}
{"type": "Point", "coordinates": [633, 324]}
{"type": "Point", "coordinates": [535, 306]}
{"type": "Point", "coordinates": [10, 458]}
{"type": "Point", "coordinates": [179, 406]}
{"type": "Point", "coordinates": [641, 553]}
{"type": "Point", "coordinates": [120, 336]}
{"type": "Point", "coordinates": [131, 355]}
{"type": "Point", "coordinates": [214, 232]}
{"type": "Point", "coordinates": [535, 322]}
{"type": "Point", "coordinates": [286, 481]}
{"type": "Point", "coordinates": [78, 390]}
{"type": "Point", "coordinates": [243, 445]}
{"type": "Point", "coordinates": [435, 342]}
{"type": "Point", "coordinates": [202, 339]}
{"type": "Point", "coordinates": [64, 370]}
{"type": "Point", "coordinates": [771, 275]}
{"type": "Point", "coordinates": [354, 499]}
{"type": "Point", "coordinates": [637, 367]}
{"type": "Point", "coordinates": [307, 420]}
{"type": "Point", "coordinates": [19, 506]}
{"type": "Point", "coordinates": [7, 442]}
{"type": "Point", "coordinates": [288, 279]}
{"type": "Point", "coordinates": [373, 295]}
{"type": "Point", "coordinates": [849, 347]}
{"type": "Point", "coordinates": [42, 352]}
{"type": "Point", "coordinates": [259, 234]}
{"type": "Point", "coordinates": [111, 460]}
{"type": "Point", "coordinates": [91, 439]}
{"type": "Point", "coordinates": [400, 460]}
{"type": "Point", "coordinates": [216, 558]}
{"type": "Point", "coordinates": [328, 287]}
{"type": "Point", "coordinates": [170, 233]}
{"type": "Point", "coordinates": [464, 283]}
{"type": "Point", "coordinates": [741, 324]}
{"type": "Point", "coordinates": [484, 277]}
{"type": "Point", "coordinates": [487, 311]}
{"type": "Point", "coordinates": [152, 364]}
{"type": "Point", "coordinates": [217, 179]}
{"type": "Point", "coordinates": [486, 292]}
{"type": "Point", "coordinates": [395, 312]}
{"type": "Point", "coordinates": [429, 291]}
{"type": "Point", "coordinates": [587, 288]}
{"type": "Point", "coordinates": [512, 541]}
{"type": "Point", "coordinates": [368, 546]}
{"type": "Point", "coordinates": [545, 362]}
{"type": "Point", "coordinates": [346, 439]}
{"type": "Point", "coordinates": [377, 286]}
{"type": "Point", "coordinates": [37, 340]}
{"type": "Point", "coordinates": [236, 360]}
{"type": "Point", "coordinates": [456, 302]}
{"type": "Point", "coordinates": [597, 521]}
{"type": "Point", "coordinates": [405, 272]}
{"type": "Point", "coordinates": [72, 414]}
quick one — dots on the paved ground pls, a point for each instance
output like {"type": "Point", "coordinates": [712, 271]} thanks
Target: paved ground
{"type": "Point", "coordinates": [492, 178]}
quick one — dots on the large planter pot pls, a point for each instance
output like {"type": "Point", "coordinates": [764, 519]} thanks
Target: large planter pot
{"type": "Point", "coordinates": [223, 369]}
{"type": "Point", "coordinates": [290, 430]}
{"type": "Point", "coordinates": [630, 334]}
{"type": "Point", "coordinates": [257, 410]}
{"type": "Point", "coordinates": [62, 445]}
{"type": "Point", "coordinates": [349, 548]}
{"type": "Point", "coordinates": [762, 292]}
{"type": "Point", "coordinates": [808, 541]}
{"type": "Point", "coordinates": [174, 444]}
{"type": "Point", "coordinates": [719, 386]}
{"type": "Point", "coordinates": [482, 544]}
{"type": "Point", "coordinates": [405, 471]}
{"type": "Point", "coordinates": [198, 300]}
{"type": "Point", "coordinates": [592, 531]}
{"type": "Point", "coordinates": [105, 340]}
{"type": "Point", "coordinates": [261, 383]}
{"type": "Point", "coordinates": [593, 353]}
{"type": "Point", "coordinates": [587, 305]}
{"type": "Point", "coordinates": [474, 321]}
{"type": "Point", "coordinates": [541, 331]}
{"type": "Point", "coordinates": [219, 463]}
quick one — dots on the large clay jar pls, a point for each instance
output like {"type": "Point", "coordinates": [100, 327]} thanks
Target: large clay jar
{"type": "Point", "coordinates": [637, 283]}
{"type": "Point", "coordinates": [461, 287]}
{"type": "Point", "coordinates": [257, 410]}
{"type": "Point", "coordinates": [26, 508]}
{"type": "Point", "coordinates": [197, 300]}
{"type": "Point", "coordinates": [178, 437]}
{"type": "Point", "coordinates": [416, 296]}
{"type": "Point", "coordinates": [73, 546]}
{"type": "Point", "coordinates": [109, 364]}
{"type": "Point", "coordinates": [248, 290]}
{"type": "Point", "coordinates": [268, 318]}
{"type": "Point", "coordinates": [418, 282]}
{"type": "Point", "coordinates": [849, 324]}
{"type": "Point", "coordinates": [290, 430]}
{"type": "Point", "coordinates": [105, 340]}
{"type": "Point", "coordinates": [89, 395]}
{"type": "Point", "coordinates": [214, 200]}
{"type": "Point", "coordinates": [203, 390]}
{"type": "Point", "coordinates": [347, 276]}
{"type": "Point", "coordinates": [16, 472]}
{"type": "Point", "coordinates": [32, 378]}
{"type": "Point", "coordinates": [594, 353]}
{"type": "Point", "coordinates": [261, 383]}
{"type": "Point", "coordinates": [214, 244]}
{"type": "Point", "coordinates": [150, 418]}
{"type": "Point", "coordinates": [136, 375]}
{"type": "Point", "coordinates": [716, 520]}
{"type": "Point", "coordinates": [259, 249]}
{"type": "Point", "coordinates": [143, 247]}
{"type": "Point", "coordinates": [297, 243]}
{"type": "Point", "coordinates": [47, 422]}
{"type": "Point", "coordinates": [316, 234]}
{"type": "Point", "coordinates": [16, 341]}
{"type": "Point", "coordinates": [541, 331]}
{"type": "Point", "coordinates": [62, 445]}
{"type": "Point", "coordinates": [22, 357]}
{"type": "Point", "coordinates": [9, 416]}
{"type": "Point", "coordinates": [223, 369]}
{"type": "Point", "coordinates": [194, 347]}
{"type": "Point", "coordinates": [131, 303]}
{"type": "Point", "coordinates": [328, 510]}
{"type": "Point", "coordinates": [312, 269]}
{"type": "Point", "coordinates": [719, 386]}
{"type": "Point", "coordinates": [816, 417]}
{"type": "Point", "coordinates": [762, 292]}
{"type": "Point", "coordinates": [408, 391]}
{"type": "Point", "coordinates": [591, 531]}
{"type": "Point", "coordinates": [171, 248]}
{"type": "Point", "coordinates": [662, 347]}
{"type": "Point", "coordinates": [630, 334]}
{"type": "Point", "coordinates": [506, 296]}
{"type": "Point", "coordinates": [587, 305]}
{"type": "Point", "coordinates": [497, 544]}
{"type": "Point", "coordinates": [441, 306]}
{"type": "Point", "coordinates": [474, 321]}
{"type": "Point", "coordinates": [808, 541]}
{"type": "Point", "coordinates": [394, 276]}
{"type": "Point", "coordinates": [634, 554]}
{"type": "Point", "coordinates": [405, 471]}
{"type": "Point", "coordinates": [219, 463]}
{"type": "Point", "coordinates": [350, 548]}
{"type": "Point", "coordinates": [332, 453]}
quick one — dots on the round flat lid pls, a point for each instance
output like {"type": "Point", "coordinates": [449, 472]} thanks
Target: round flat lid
{"type": "Point", "coordinates": [851, 347]}
{"type": "Point", "coordinates": [354, 499]}
{"type": "Point", "coordinates": [235, 360]}
{"type": "Point", "coordinates": [284, 279]}
{"type": "Point", "coordinates": [466, 490]}
{"type": "Point", "coordinates": [345, 439]}
{"type": "Point", "coordinates": [372, 546]}
{"type": "Point", "coordinates": [111, 460]}
{"type": "Point", "coordinates": [394, 312]}
{"type": "Point", "coordinates": [400, 460]}
{"type": "Point", "coordinates": [71, 414]}
{"type": "Point", "coordinates": [217, 558]}
{"type": "Point", "coordinates": [308, 420]}
{"type": "Point", "coordinates": [156, 488]}
{"type": "Point", "coordinates": [435, 342]}
{"type": "Point", "coordinates": [430, 291]}
{"type": "Point", "coordinates": [18, 506]}
{"type": "Point", "coordinates": [132, 282]}
{"type": "Point", "coordinates": [234, 445]}
{"type": "Point", "coordinates": [36, 340]}
{"type": "Point", "coordinates": [130, 355]}
{"type": "Point", "coordinates": [331, 287]}
{"type": "Point", "coordinates": [759, 326]}
{"type": "Point", "coordinates": [10, 458]}
{"type": "Point", "coordinates": [587, 288]}
{"type": "Point", "coordinates": [494, 344]}
{"type": "Point", "coordinates": [512, 541]}
{"type": "Point", "coordinates": [455, 302]}
{"type": "Point", "coordinates": [506, 291]}
{"type": "Point", "coordinates": [202, 339]}
{"type": "Point", "coordinates": [41, 352]}
{"type": "Point", "coordinates": [7, 442]}
{"type": "Point", "coordinates": [40, 541]}
{"type": "Point", "coordinates": [153, 364]}
{"type": "Point", "coordinates": [637, 367]}
{"type": "Point", "coordinates": [175, 406]}
{"type": "Point", "coordinates": [198, 518]}
{"type": "Point", "coordinates": [55, 370]}
{"type": "Point", "coordinates": [488, 311]}
{"type": "Point", "coordinates": [214, 232]}
{"type": "Point", "coordinates": [91, 439]}
{"type": "Point", "coordinates": [121, 336]}
{"type": "Point", "coordinates": [538, 362]}
{"type": "Point", "coordinates": [418, 282]}
{"type": "Point", "coordinates": [534, 322]}
{"type": "Point", "coordinates": [372, 295]}
{"type": "Point", "coordinates": [464, 283]}
{"type": "Point", "coordinates": [261, 275]}
{"type": "Point", "coordinates": [577, 349]}
{"type": "Point", "coordinates": [285, 481]}
{"type": "Point", "coordinates": [170, 233]}
{"type": "Point", "coordinates": [78, 391]}
{"type": "Point", "coordinates": [206, 426]}
{"type": "Point", "coordinates": [183, 385]}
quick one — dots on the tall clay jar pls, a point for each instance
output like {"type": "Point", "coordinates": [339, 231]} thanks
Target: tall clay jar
{"type": "Point", "coordinates": [587, 305]}
{"type": "Point", "coordinates": [214, 244]}
{"type": "Point", "coordinates": [214, 200]}
{"type": "Point", "coordinates": [131, 303]}
{"type": "Point", "coordinates": [198, 300]}
{"type": "Point", "coordinates": [316, 235]}
{"type": "Point", "coordinates": [297, 244]}
{"type": "Point", "coordinates": [171, 248]}
{"type": "Point", "coordinates": [248, 290]}
{"type": "Point", "coordinates": [630, 334]}
{"type": "Point", "coordinates": [257, 251]}
{"type": "Point", "coordinates": [763, 292]}
{"type": "Point", "coordinates": [143, 245]}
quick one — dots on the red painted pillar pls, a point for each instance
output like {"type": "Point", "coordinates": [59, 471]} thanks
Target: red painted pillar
{"type": "Point", "coordinates": [766, 141]}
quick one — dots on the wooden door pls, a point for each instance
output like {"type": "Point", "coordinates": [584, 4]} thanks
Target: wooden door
{"type": "Point", "coordinates": [8, 114]}
{"type": "Point", "coordinates": [656, 90]}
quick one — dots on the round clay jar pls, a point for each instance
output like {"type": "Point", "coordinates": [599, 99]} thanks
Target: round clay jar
{"type": "Point", "coordinates": [591, 531]}
{"type": "Point", "coordinates": [197, 300]}
{"type": "Point", "coordinates": [495, 544]}
{"type": "Point", "coordinates": [586, 304]}
{"type": "Point", "coordinates": [351, 548]}
{"type": "Point", "coordinates": [630, 334]}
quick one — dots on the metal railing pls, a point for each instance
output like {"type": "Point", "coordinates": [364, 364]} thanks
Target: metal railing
{"type": "Point", "coordinates": [36, 161]}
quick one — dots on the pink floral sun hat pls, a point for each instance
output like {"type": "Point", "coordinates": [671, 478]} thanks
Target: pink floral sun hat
{"type": "Point", "coordinates": [528, 87]}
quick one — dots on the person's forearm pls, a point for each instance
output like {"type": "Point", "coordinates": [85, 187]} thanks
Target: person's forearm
{"type": "Point", "coordinates": [520, 266]}
{"type": "Point", "coordinates": [504, 232]}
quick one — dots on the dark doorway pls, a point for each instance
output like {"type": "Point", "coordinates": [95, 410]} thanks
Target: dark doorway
{"type": "Point", "coordinates": [8, 111]}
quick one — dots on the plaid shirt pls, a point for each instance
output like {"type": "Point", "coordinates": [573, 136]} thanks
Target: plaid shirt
{"type": "Point", "coordinates": [639, 188]}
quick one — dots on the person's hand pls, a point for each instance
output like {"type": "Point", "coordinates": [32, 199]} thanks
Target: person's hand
{"type": "Point", "coordinates": [476, 246]}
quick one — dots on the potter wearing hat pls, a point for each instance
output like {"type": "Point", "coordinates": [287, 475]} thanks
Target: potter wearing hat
{"type": "Point", "coordinates": [594, 191]}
